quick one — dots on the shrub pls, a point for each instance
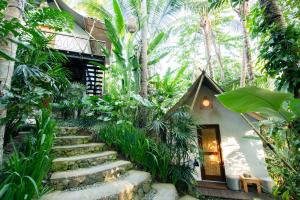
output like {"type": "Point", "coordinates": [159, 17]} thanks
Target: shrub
{"type": "Point", "coordinates": [22, 175]}
{"type": "Point", "coordinates": [168, 161]}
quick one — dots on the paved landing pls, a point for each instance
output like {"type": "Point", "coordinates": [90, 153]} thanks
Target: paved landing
{"type": "Point", "coordinates": [229, 194]}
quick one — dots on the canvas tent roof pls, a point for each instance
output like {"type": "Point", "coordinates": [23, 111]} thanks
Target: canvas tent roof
{"type": "Point", "coordinates": [93, 26]}
{"type": "Point", "coordinates": [203, 79]}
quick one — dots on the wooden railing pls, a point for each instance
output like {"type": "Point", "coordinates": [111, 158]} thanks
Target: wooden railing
{"type": "Point", "coordinates": [74, 43]}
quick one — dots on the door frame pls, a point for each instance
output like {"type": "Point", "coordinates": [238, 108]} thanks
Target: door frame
{"type": "Point", "coordinates": [204, 177]}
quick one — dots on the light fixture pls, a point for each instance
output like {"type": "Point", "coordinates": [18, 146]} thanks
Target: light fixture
{"type": "Point", "coordinates": [206, 103]}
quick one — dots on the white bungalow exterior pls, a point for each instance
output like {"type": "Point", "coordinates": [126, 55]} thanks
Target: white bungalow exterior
{"type": "Point", "coordinates": [221, 135]}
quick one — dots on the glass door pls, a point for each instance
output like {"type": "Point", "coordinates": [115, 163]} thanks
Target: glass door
{"type": "Point", "coordinates": [209, 141]}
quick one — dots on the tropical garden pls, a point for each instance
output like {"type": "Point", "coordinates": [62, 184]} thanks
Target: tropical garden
{"type": "Point", "coordinates": [159, 48]}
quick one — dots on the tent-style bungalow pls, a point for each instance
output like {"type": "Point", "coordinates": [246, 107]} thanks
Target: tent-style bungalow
{"type": "Point", "coordinates": [227, 152]}
{"type": "Point", "coordinates": [81, 46]}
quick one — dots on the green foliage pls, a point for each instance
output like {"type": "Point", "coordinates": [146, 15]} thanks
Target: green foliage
{"type": "Point", "coordinates": [123, 75]}
{"type": "Point", "coordinates": [156, 41]}
{"type": "Point", "coordinates": [7, 28]}
{"type": "Point", "coordinates": [279, 49]}
{"type": "Point", "coordinates": [125, 56]}
{"type": "Point", "coordinates": [253, 99]}
{"type": "Point", "coordinates": [119, 19]}
{"type": "Point", "coordinates": [70, 101]}
{"type": "Point", "coordinates": [32, 89]}
{"type": "Point", "coordinates": [168, 89]}
{"type": "Point", "coordinates": [37, 79]}
{"type": "Point", "coordinates": [38, 76]}
{"type": "Point", "coordinates": [19, 176]}
{"type": "Point", "coordinates": [114, 108]}
{"type": "Point", "coordinates": [168, 161]}
{"type": "Point", "coordinates": [28, 32]}
{"type": "Point", "coordinates": [218, 3]}
{"type": "Point", "coordinates": [51, 17]}
{"type": "Point", "coordinates": [295, 107]}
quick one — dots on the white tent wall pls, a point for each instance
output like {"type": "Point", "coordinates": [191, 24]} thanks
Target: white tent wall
{"type": "Point", "coordinates": [240, 154]}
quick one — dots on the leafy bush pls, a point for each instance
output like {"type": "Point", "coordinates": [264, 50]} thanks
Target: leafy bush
{"type": "Point", "coordinates": [114, 108]}
{"type": "Point", "coordinates": [168, 161]}
{"type": "Point", "coordinates": [69, 104]}
{"type": "Point", "coordinates": [38, 75]}
{"type": "Point", "coordinates": [279, 49]}
{"type": "Point", "coordinates": [22, 175]}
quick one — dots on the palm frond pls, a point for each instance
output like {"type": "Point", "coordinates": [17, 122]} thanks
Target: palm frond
{"type": "Point", "coordinates": [119, 19]}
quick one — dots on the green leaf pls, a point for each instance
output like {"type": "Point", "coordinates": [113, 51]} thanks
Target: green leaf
{"type": "Point", "coordinates": [295, 107]}
{"type": "Point", "coordinates": [34, 184]}
{"type": "Point", "coordinates": [156, 41]}
{"type": "Point", "coordinates": [254, 99]}
{"type": "Point", "coordinates": [158, 58]}
{"type": "Point", "coordinates": [119, 19]}
{"type": "Point", "coordinates": [141, 100]}
{"type": "Point", "coordinates": [4, 189]}
{"type": "Point", "coordinates": [6, 56]}
{"type": "Point", "coordinates": [113, 37]}
{"type": "Point", "coordinates": [101, 66]}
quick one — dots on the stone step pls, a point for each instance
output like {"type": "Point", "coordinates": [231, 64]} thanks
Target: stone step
{"type": "Point", "coordinates": [79, 149]}
{"type": "Point", "coordinates": [72, 139]}
{"type": "Point", "coordinates": [126, 187]}
{"type": "Point", "coordinates": [64, 131]}
{"type": "Point", "coordinates": [188, 197]}
{"type": "Point", "coordinates": [164, 191]}
{"type": "Point", "coordinates": [87, 176]}
{"type": "Point", "coordinates": [86, 160]}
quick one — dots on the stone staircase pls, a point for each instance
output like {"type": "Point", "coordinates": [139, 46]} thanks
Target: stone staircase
{"type": "Point", "coordinates": [84, 170]}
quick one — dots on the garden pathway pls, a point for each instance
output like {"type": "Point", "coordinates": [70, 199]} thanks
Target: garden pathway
{"type": "Point", "coordinates": [85, 170]}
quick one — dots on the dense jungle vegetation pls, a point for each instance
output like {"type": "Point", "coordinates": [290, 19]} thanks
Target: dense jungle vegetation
{"type": "Point", "coordinates": [159, 48]}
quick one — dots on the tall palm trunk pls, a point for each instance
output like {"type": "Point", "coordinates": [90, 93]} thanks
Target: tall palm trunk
{"type": "Point", "coordinates": [144, 58]}
{"type": "Point", "coordinates": [207, 43]}
{"type": "Point", "coordinates": [14, 10]}
{"type": "Point", "coordinates": [273, 13]}
{"type": "Point", "coordinates": [243, 70]}
{"type": "Point", "coordinates": [144, 65]}
{"type": "Point", "coordinates": [218, 54]}
{"type": "Point", "coordinates": [243, 13]}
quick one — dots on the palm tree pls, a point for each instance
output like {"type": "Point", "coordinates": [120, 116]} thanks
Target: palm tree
{"type": "Point", "coordinates": [151, 29]}
{"type": "Point", "coordinates": [243, 12]}
{"type": "Point", "coordinates": [273, 13]}
{"type": "Point", "coordinates": [14, 10]}
{"type": "Point", "coordinates": [144, 49]}
{"type": "Point", "coordinates": [201, 8]}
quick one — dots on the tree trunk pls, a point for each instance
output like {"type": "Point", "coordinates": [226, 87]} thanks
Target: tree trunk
{"type": "Point", "coordinates": [207, 44]}
{"type": "Point", "coordinates": [14, 9]}
{"type": "Point", "coordinates": [273, 13]}
{"type": "Point", "coordinates": [243, 69]}
{"type": "Point", "coordinates": [144, 66]}
{"type": "Point", "coordinates": [243, 13]}
{"type": "Point", "coordinates": [144, 58]}
{"type": "Point", "coordinates": [218, 54]}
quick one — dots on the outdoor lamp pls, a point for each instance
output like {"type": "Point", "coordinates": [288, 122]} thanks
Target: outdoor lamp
{"type": "Point", "coordinates": [206, 103]}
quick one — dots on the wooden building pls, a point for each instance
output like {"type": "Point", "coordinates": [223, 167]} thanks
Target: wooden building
{"type": "Point", "coordinates": [81, 46]}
